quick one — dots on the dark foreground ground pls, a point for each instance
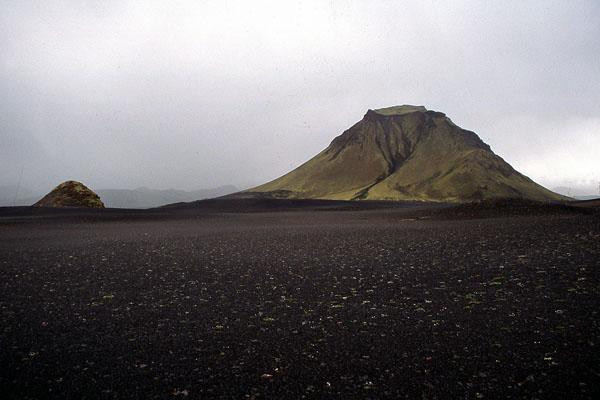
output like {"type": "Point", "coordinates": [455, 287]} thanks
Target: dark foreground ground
{"type": "Point", "coordinates": [374, 303]}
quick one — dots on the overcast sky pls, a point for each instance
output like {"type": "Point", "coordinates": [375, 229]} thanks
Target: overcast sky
{"type": "Point", "coordinates": [199, 94]}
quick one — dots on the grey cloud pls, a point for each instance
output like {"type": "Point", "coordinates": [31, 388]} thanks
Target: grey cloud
{"type": "Point", "coordinates": [200, 94]}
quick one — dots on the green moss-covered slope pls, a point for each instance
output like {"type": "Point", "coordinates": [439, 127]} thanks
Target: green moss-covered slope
{"type": "Point", "coordinates": [406, 153]}
{"type": "Point", "coordinates": [71, 194]}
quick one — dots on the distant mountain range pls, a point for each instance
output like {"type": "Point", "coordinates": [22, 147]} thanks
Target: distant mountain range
{"type": "Point", "coordinates": [590, 197]}
{"type": "Point", "coordinates": [406, 153]}
{"type": "Point", "coordinates": [574, 193]}
{"type": "Point", "coordinates": [13, 195]}
{"type": "Point", "coordinates": [395, 153]}
{"type": "Point", "coordinates": [141, 197]}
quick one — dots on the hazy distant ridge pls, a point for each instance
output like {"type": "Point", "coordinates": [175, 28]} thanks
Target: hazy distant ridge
{"type": "Point", "coordinates": [146, 198]}
{"type": "Point", "coordinates": [141, 197]}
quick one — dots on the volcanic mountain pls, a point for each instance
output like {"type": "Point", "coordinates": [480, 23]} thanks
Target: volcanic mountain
{"type": "Point", "coordinates": [406, 153]}
{"type": "Point", "coordinates": [71, 194]}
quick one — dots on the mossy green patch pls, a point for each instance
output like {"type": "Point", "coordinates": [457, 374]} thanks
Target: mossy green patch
{"type": "Point", "coordinates": [407, 153]}
{"type": "Point", "coordinates": [71, 194]}
{"type": "Point", "coordinates": [399, 110]}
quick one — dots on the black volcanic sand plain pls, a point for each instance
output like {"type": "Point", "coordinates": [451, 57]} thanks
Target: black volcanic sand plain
{"type": "Point", "coordinates": [304, 303]}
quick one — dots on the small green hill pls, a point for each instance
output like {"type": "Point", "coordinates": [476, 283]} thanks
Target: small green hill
{"type": "Point", "coordinates": [71, 194]}
{"type": "Point", "coordinates": [406, 153]}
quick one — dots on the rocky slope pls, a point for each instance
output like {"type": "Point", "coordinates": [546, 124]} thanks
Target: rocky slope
{"type": "Point", "coordinates": [71, 194]}
{"type": "Point", "coordinates": [406, 153]}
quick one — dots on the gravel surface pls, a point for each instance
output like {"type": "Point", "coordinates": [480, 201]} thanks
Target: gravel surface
{"type": "Point", "coordinates": [345, 304]}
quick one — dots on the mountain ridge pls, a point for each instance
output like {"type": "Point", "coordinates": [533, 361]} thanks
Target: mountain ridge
{"type": "Point", "coordinates": [406, 153]}
{"type": "Point", "coordinates": [143, 197]}
{"type": "Point", "coordinates": [140, 197]}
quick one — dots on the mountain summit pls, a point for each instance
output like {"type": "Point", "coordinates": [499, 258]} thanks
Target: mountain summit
{"type": "Point", "coordinates": [71, 194]}
{"type": "Point", "coordinates": [406, 153]}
